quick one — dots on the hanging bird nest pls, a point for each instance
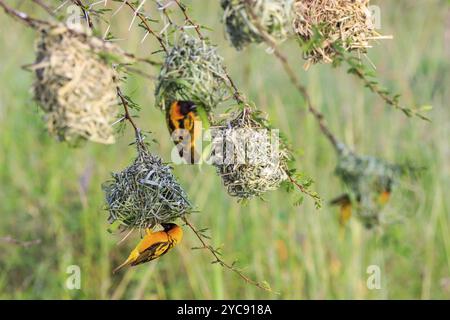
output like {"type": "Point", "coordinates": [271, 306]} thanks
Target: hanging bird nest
{"type": "Point", "coordinates": [367, 179]}
{"type": "Point", "coordinates": [192, 71]}
{"type": "Point", "coordinates": [145, 194]}
{"type": "Point", "coordinates": [75, 86]}
{"type": "Point", "coordinates": [273, 17]}
{"type": "Point", "coordinates": [249, 157]}
{"type": "Point", "coordinates": [322, 24]}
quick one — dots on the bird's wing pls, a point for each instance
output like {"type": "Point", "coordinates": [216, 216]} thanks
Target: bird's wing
{"type": "Point", "coordinates": [154, 251]}
{"type": "Point", "coordinates": [345, 214]}
{"type": "Point", "coordinates": [341, 200]}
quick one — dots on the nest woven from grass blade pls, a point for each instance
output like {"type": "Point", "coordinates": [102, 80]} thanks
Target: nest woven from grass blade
{"type": "Point", "coordinates": [145, 194]}
{"type": "Point", "coordinates": [75, 88]}
{"type": "Point", "coordinates": [192, 71]}
{"type": "Point", "coordinates": [248, 157]}
{"type": "Point", "coordinates": [273, 16]}
{"type": "Point", "coordinates": [344, 22]}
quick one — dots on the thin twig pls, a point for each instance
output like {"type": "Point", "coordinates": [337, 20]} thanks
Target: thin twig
{"type": "Point", "coordinates": [218, 260]}
{"type": "Point", "coordinates": [146, 25]}
{"type": "Point", "coordinates": [183, 9]}
{"type": "Point", "coordinates": [80, 4]}
{"type": "Point", "coordinates": [127, 116]}
{"type": "Point", "coordinates": [25, 244]}
{"type": "Point", "coordinates": [304, 190]}
{"type": "Point", "coordinates": [31, 22]}
{"type": "Point", "coordinates": [383, 94]}
{"type": "Point", "coordinates": [85, 12]}
{"type": "Point", "coordinates": [140, 73]}
{"type": "Point", "coordinates": [45, 6]}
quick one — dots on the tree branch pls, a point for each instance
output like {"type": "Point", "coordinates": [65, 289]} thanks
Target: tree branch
{"type": "Point", "coordinates": [218, 260]}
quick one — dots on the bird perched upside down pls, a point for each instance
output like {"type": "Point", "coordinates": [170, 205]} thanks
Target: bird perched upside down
{"type": "Point", "coordinates": [154, 245]}
{"type": "Point", "coordinates": [183, 118]}
{"type": "Point", "coordinates": [346, 206]}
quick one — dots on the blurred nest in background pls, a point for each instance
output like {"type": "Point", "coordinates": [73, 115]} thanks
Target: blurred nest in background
{"type": "Point", "coordinates": [273, 16]}
{"type": "Point", "coordinates": [370, 182]}
{"type": "Point", "coordinates": [192, 71]}
{"type": "Point", "coordinates": [250, 158]}
{"type": "Point", "coordinates": [145, 194]}
{"type": "Point", "coordinates": [74, 86]}
{"type": "Point", "coordinates": [321, 24]}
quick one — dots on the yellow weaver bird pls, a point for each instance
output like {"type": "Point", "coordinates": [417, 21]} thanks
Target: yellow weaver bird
{"type": "Point", "coordinates": [345, 204]}
{"type": "Point", "coordinates": [384, 197]}
{"type": "Point", "coordinates": [154, 245]}
{"type": "Point", "coordinates": [346, 208]}
{"type": "Point", "coordinates": [183, 116]}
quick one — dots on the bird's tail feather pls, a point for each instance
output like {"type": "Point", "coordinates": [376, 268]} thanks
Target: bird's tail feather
{"type": "Point", "coordinates": [126, 263]}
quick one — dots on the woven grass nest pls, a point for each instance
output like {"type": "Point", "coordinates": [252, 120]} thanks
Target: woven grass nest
{"type": "Point", "coordinates": [245, 158]}
{"type": "Point", "coordinates": [192, 71]}
{"type": "Point", "coordinates": [344, 22]}
{"type": "Point", "coordinates": [74, 86]}
{"type": "Point", "coordinates": [273, 16]}
{"type": "Point", "coordinates": [366, 178]}
{"type": "Point", "coordinates": [145, 194]}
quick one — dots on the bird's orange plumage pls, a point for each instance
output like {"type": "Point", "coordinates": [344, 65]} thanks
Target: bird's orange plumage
{"type": "Point", "coordinates": [154, 245]}
{"type": "Point", "coordinates": [384, 197]}
{"type": "Point", "coordinates": [181, 118]}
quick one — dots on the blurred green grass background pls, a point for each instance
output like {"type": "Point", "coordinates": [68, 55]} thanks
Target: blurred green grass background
{"type": "Point", "coordinates": [51, 192]}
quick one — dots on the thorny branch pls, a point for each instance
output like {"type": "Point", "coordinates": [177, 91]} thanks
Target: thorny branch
{"type": "Point", "coordinates": [34, 23]}
{"type": "Point", "coordinates": [183, 9]}
{"type": "Point", "coordinates": [85, 12]}
{"type": "Point", "coordinates": [127, 116]}
{"type": "Point", "coordinates": [146, 25]}
{"type": "Point", "coordinates": [357, 69]}
{"type": "Point", "coordinates": [218, 260]}
{"type": "Point", "coordinates": [314, 195]}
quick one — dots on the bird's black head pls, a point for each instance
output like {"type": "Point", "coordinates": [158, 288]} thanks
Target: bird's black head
{"type": "Point", "coordinates": [168, 226]}
{"type": "Point", "coordinates": [186, 107]}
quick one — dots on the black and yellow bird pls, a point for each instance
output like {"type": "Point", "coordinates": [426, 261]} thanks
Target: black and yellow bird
{"type": "Point", "coordinates": [183, 119]}
{"type": "Point", "coordinates": [154, 245]}
{"type": "Point", "coordinates": [345, 203]}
